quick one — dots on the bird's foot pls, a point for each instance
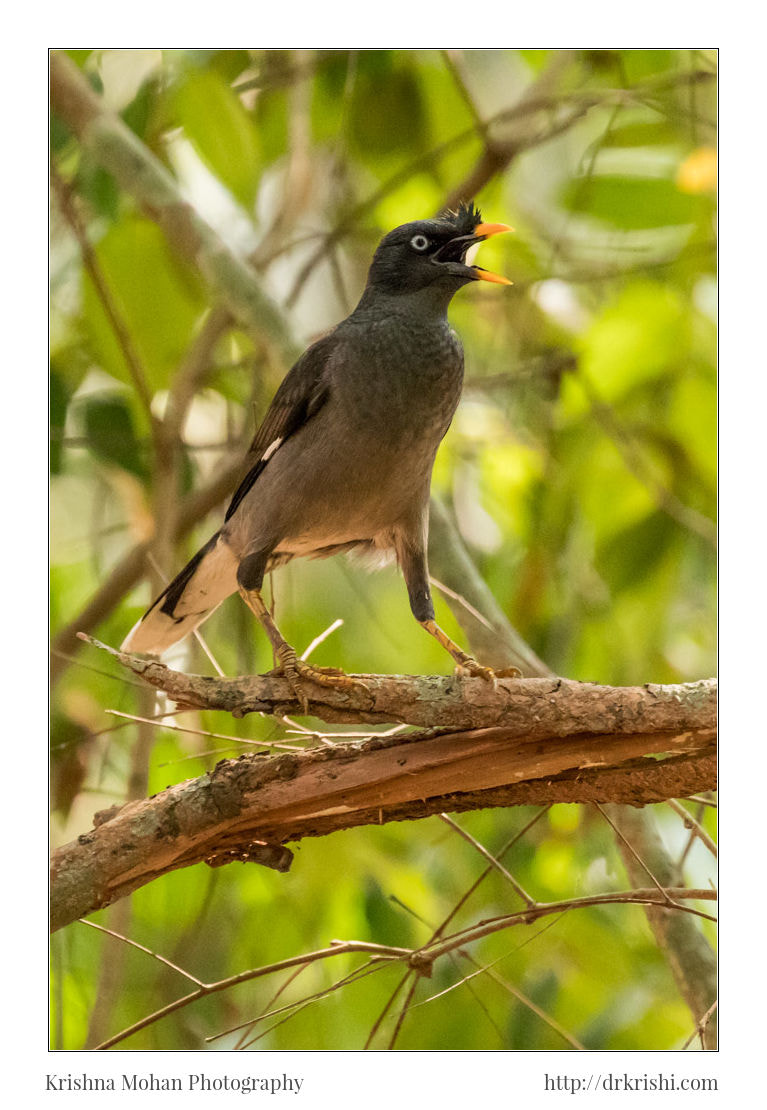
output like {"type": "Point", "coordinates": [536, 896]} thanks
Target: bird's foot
{"type": "Point", "coordinates": [508, 672]}
{"type": "Point", "coordinates": [298, 671]}
{"type": "Point", "coordinates": [477, 670]}
{"type": "Point", "coordinates": [466, 663]}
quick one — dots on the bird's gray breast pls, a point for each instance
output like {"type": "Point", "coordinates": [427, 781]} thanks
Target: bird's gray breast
{"type": "Point", "coordinates": [363, 463]}
{"type": "Point", "coordinates": [400, 379]}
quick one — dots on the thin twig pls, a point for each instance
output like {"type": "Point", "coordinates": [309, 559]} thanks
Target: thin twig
{"type": "Point", "coordinates": [195, 632]}
{"type": "Point", "coordinates": [385, 952]}
{"type": "Point", "coordinates": [379, 1020]}
{"type": "Point", "coordinates": [321, 638]}
{"type": "Point", "coordinates": [642, 897]}
{"type": "Point", "coordinates": [490, 857]}
{"type": "Point", "coordinates": [528, 1002]}
{"type": "Point", "coordinates": [159, 722]}
{"type": "Point", "coordinates": [243, 1026]}
{"type": "Point", "coordinates": [417, 958]}
{"type": "Point", "coordinates": [403, 1012]}
{"type": "Point", "coordinates": [700, 1027]}
{"type": "Point", "coordinates": [694, 826]}
{"type": "Point", "coordinates": [488, 969]}
{"type": "Point", "coordinates": [666, 500]}
{"type": "Point", "coordinates": [461, 601]}
{"type": "Point", "coordinates": [632, 850]}
{"type": "Point", "coordinates": [488, 870]}
{"type": "Point", "coordinates": [134, 944]}
{"type": "Point", "coordinates": [700, 799]}
{"type": "Point", "coordinates": [92, 265]}
{"type": "Point", "coordinates": [293, 1008]}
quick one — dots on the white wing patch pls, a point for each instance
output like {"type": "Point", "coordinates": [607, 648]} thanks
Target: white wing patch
{"type": "Point", "coordinates": [271, 449]}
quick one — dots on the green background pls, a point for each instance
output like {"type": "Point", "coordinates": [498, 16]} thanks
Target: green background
{"type": "Point", "coordinates": [580, 473]}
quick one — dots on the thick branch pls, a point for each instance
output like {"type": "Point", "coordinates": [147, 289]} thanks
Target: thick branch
{"type": "Point", "coordinates": [531, 707]}
{"type": "Point", "coordinates": [538, 740]}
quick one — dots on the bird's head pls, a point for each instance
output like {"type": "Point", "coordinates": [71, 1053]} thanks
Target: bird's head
{"type": "Point", "coordinates": [431, 254]}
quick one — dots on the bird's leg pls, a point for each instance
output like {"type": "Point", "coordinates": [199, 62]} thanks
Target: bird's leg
{"type": "Point", "coordinates": [294, 669]}
{"type": "Point", "coordinates": [468, 662]}
{"type": "Point", "coordinates": [412, 559]}
{"type": "Point", "coordinates": [462, 659]}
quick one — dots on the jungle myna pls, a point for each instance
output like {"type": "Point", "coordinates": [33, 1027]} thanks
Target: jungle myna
{"type": "Point", "coordinates": [344, 456]}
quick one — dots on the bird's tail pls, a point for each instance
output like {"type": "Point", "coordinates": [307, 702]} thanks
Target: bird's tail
{"type": "Point", "coordinates": [206, 580]}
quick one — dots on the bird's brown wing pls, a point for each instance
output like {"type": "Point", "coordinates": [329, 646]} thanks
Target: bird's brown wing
{"type": "Point", "coordinates": [301, 395]}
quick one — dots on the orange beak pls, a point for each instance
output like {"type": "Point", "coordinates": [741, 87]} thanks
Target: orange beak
{"type": "Point", "coordinates": [484, 231]}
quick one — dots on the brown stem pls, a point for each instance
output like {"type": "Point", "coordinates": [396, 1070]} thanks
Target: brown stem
{"type": "Point", "coordinates": [550, 742]}
{"type": "Point", "coordinates": [690, 957]}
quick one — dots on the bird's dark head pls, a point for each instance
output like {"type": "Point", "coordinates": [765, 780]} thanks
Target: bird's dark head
{"type": "Point", "coordinates": [431, 255]}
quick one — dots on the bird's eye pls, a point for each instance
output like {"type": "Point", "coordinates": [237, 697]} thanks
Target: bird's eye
{"type": "Point", "coordinates": [419, 243]}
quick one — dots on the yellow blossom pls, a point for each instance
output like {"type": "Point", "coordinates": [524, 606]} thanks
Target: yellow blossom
{"type": "Point", "coordinates": [697, 173]}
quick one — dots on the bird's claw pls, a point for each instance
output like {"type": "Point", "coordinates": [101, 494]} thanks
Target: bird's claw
{"type": "Point", "coordinates": [478, 670]}
{"type": "Point", "coordinates": [297, 672]}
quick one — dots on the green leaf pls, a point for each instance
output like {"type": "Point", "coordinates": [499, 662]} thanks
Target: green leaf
{"type": "Point", "coordinates": [328, 100]}
{"type": "Point", "coordinates": [111, 435]}
{"type": "Point", "coordinates": [60, 134]}
{"type": "Point", "coordinates": [67, 762]}
{"type": "Point", "coordinates": [520, 260]}
{"type": "Point", "coordinates": [387, 111]}
{"type": "Point", "coordinates": [384, 918]}
{"type": "Point", "coordinates": [650, 131]}
{"type": "Point", "coordinates": [221, 132]}
{"type": "Point", "coordinates": [271, 115]}
{"type": "Point", "coordinates": [632, 203]}
{"type": "Point", "coordinates": [609, 497]}
{"type": "Point", "coordinates": [158, 300]}
{"type": "Point", "coordinates": [537, 60]}
{"type": "Point", "coordinates": [444, 107]}
{"type": "Point", "coordinates": [79, 57]}
{"type": "Point", "coordinates": [230, 63]}
{"type": "Point", "coordinates": [631, 557]}
{"type": "Point", "coordinates": [692, 419]}
{"type": "Point", "coordinates": [638, 336]}
{"type": "Point", "coordinates": [71, 363]}
{"type": "Point", "coordinates": [640, 64]}
{"type": "Point", "coordinates": [416, 199]}
{"type": "Point", "coordinates": [99, 187]}
{"type": "Point", "coordinates": [58, 403]}
{"type": "Point", "coordinates": [139, 112]}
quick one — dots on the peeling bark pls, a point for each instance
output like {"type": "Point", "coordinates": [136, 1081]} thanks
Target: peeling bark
{"type": "Point", "coordinates": [529, 741]}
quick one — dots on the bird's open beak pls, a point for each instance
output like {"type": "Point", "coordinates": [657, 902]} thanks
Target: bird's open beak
{"type": "Point", "coordinates": [482, 232]}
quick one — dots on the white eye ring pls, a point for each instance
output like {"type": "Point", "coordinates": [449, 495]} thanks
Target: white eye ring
{"type": "Point", "coordinates": [419, 243]}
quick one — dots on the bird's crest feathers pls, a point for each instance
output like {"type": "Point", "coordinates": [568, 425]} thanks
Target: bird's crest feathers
{"type": "Point", "coordinates": [465, 217]}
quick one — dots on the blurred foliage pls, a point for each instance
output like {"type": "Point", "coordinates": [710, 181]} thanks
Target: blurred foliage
{"type": "Point", "coordinates": [580, 470]}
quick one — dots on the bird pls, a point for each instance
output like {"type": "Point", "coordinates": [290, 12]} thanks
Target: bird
{"type": "Point", "coordinates": [343, 459]}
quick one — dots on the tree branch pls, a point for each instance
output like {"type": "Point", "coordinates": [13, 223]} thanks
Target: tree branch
{"type": "Point", "coordinates": [146, 179]}
{"type": "Point", "coordinates": [531, 740]}
{"type": "Point", "coordinates": [130, 569]}
{"type": "Point", "coordinates": [508, 134]}
{"type": "Point", "coordinates": [690, 956]}
{"type": "Point", "coordinates": [533, 707]}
